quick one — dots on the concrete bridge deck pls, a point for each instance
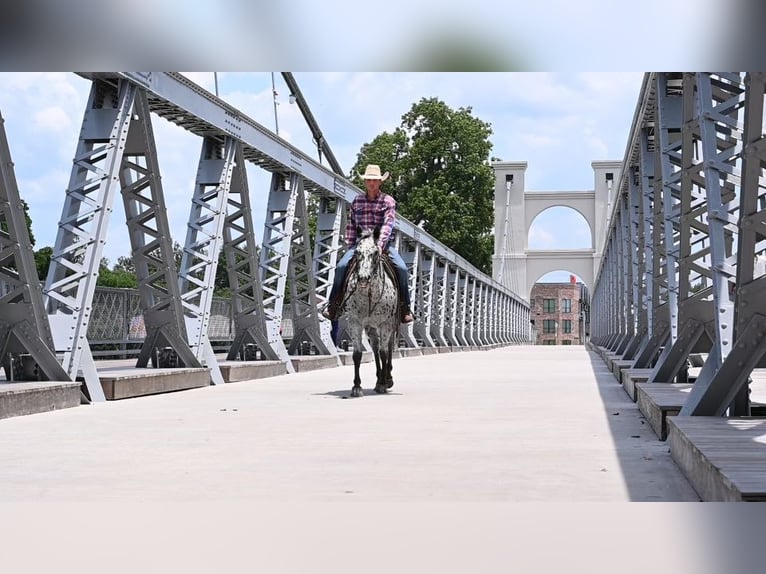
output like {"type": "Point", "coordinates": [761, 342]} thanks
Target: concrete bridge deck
{"type": "Point", "coordinates": [510, 424]}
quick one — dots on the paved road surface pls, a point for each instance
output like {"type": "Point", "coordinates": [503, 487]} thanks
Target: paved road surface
{"type": "Point", "coordinates": [511, 424]}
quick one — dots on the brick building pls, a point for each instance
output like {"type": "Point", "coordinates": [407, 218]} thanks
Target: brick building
{"type": "Point", "coordinates": [560, 313]}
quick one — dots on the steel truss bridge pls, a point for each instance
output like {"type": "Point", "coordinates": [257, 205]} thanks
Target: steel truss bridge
{"type": "Point", "coordinates": [683, 266]}
{"type": "Point", "coordinates": [454, 303]}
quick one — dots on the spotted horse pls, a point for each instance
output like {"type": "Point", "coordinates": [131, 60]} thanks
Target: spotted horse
{"type": "Point", "coordinates": [371, 305]}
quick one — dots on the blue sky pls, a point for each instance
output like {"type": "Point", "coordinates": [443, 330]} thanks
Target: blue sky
{"type": "Point", "coordinates": [557, 122]}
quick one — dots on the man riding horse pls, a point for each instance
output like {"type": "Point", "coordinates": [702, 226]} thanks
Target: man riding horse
{"type": "Point", "coordinates": [373, 209]}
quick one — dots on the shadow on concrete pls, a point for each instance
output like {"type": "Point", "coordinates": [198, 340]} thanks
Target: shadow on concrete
{"type": "Point", "coordinates": [649, 472]}
{"type": "Point", "coordinates": [346, 394]}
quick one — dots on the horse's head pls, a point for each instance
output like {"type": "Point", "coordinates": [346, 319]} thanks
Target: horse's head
{"type": "Point", "coordinates": [367, 256]}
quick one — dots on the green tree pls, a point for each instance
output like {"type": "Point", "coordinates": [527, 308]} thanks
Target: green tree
{"type": "Point", "coordinates": [4, 227]}
{"type": "Point", "coordinates": [221, 286]}
{"type": "Point", "coordinates": [125, 263]}
{"type": "Point", "coordinates": [441, 177]}
{"type": "Point", "coordinates": [29, 222]}
{"type": "Point", "coordinates": [115, 277]}
{"type": "Point", "coordinates": [43, 261]}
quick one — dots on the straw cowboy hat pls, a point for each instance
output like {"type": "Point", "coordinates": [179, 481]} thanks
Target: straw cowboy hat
{"type": "Point", "coordinates": [373, 172]}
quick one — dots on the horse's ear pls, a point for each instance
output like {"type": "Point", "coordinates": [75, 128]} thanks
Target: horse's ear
{"type": "Point", "coordinates": [376, 233]}
{"type": "Point", "coordinates": [358, 231]}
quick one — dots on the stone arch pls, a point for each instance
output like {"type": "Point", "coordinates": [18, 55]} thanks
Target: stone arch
{"type": "Point", "coordinates": [513, 263]}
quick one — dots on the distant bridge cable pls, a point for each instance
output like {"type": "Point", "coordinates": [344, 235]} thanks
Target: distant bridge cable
{"type": "Point", "coordinates": [508, 242]}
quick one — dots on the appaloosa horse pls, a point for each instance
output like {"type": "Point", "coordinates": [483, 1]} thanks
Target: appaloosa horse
{"type": "Point", "coordinates": [371, 305]}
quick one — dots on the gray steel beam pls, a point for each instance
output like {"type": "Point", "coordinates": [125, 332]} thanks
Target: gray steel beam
{"type": "Point", "coordinates": [711, 137]}
{"type": "Point", "coordinates": [654, 323]}
{"type": "Point", "coordinates": [151, 244]}
{"type": "Point", "coordinates": [451, 305]}
{"type": "Point", "coordinates": [441, 289]}
{"type": "Point", "coordinates": [667, 176]}
{"type": "Point", "coordinates": [24, 324]}
{"type": "Point", "coordinates": [670, 147]}
{"type": "Point", "coordinates": [626, 269]}
{"type": "Point", "coordinates": [484, 316]}
{"type": "Point", "coordinates": [720, 100]}
{"type": "Point", "coordinates": [493, 308]}
{"type": "Point", "coordinates": [330, 219]}
{"type": "Point", "coordinates": [203, 244]}
{"type": "Point", "coordinates": [718, 389]}
{"type": "Point", "coordinates": [242, 264]}
{"type": "Point", "coordinates": [275, 258]}
{"type": "Point", "coordinates": [423, 311]}
{"type": "Point", "coordinates": [636, 242]}
{"type": "Point", "coordinates": [479, 314]}
{"type": "Point", "coordinates": [410, 253]}
{"type": "Point", "coordinates": [79, 243]}
{"type": "Point", "coordinates": [303, 298]}
{"type": "Point", "coordinates": [462, 307]}
{"type": "Point", "coordinates": [473, 303]}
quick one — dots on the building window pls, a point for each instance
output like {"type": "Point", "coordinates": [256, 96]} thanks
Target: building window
{"type": "Point", "coordinates": [549, 341]}
{"type": "Point", "coordinates": [549, 305]}
{"type": "Point", "coordinates": [567, 325]}
{"type": "Point", "coordinates": [566, 342]}
{"type": "Point", "coordinates": [549, 326]}
{"type": "Point", "coordinates": [566, 305]}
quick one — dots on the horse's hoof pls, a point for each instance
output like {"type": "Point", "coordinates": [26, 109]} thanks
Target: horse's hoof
{"type": "Point", "coordinates": [381, 389]}
{"type": "Point", "coordinates": [389, 383]}
{"type": "Point", "coordinates": [357, 392]}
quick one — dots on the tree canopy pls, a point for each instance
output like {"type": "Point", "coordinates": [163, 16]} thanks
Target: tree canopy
{"type": "Point", "coordinates": [441, 177]}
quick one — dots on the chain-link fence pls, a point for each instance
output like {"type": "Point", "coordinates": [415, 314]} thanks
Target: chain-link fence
{"type": "Point", "coordinates": [116, 327]}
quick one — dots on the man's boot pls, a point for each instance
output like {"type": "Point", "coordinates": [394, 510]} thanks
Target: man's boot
{"type": "Point", "coordinates": [405, 313]}
{"type": "Point", "coordinates": [331, 309]}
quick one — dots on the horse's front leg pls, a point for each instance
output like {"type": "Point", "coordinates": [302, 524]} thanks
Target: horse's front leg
{"type": "Point", "coordinates": [380, 363]}
{"type": "Point", "coordinates": [356, 390]}
{"type": "Point", "coordinates": [375, 344]}
{"type": "Point", "coordinates": [381, 386]}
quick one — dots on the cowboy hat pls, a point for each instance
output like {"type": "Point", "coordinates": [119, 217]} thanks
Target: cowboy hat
{"type": "Point", "coordinates": [373, 172]}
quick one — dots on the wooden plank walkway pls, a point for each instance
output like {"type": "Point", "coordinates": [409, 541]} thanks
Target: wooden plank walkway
{"type": "Point", "coordinates": [658, 401]}
{"type": "Point", "coordinates": [724, 459]}
{"type": "Point", "coordinates": [629, 378]}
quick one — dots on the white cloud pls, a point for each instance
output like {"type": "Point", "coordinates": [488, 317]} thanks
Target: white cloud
{"type": "Point", "coordinates": [540, 238]}
{"type": "Point", "coordinates": [52, 119]}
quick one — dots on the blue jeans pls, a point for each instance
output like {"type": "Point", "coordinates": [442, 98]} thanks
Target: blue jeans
{"type": "Point", "coordinates": [396, 259]}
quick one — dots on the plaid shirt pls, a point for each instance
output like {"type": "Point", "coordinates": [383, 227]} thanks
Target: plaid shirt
{"type": "Point", "coordinates": [367, 214]}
